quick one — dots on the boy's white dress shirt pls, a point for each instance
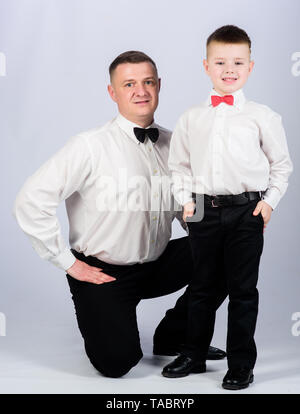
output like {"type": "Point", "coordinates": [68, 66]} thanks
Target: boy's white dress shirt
{"type": "Point", "coordinates": [229, 150]}
{"type": "Point", "coordinates": [117, 193]}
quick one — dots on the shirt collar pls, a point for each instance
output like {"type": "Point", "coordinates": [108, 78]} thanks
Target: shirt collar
{"type": "Point", "coordinates": [239, 98]}
{"type": "Point", "coordinates": [127, 126]}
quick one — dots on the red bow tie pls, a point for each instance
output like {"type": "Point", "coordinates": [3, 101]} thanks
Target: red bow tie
{"type": "Point", "coordinates": [216, 100]}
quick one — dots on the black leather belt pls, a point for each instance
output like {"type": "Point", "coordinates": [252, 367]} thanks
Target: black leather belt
{"type": "Point", "coordinates": [231, 200]}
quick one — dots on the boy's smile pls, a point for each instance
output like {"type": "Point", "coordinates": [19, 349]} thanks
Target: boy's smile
{"type": "Point", "coordinates": [229, 80]}
{"type": "Point", "coordinates": [228, 65]}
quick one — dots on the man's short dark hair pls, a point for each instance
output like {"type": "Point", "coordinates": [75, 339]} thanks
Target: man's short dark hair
{"type": "Point", "coordinates": [132, 56]}
{"type": "Point", "coordinates": [229, 34]}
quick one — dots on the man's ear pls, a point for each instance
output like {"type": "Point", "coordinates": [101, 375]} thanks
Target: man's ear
{"type": "Point", "coordinates": [111, 93]}
{"type": "Point", "coordinates": [159, 84]}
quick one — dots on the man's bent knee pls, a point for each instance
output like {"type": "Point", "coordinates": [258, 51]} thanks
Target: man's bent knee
{"type": "Point", "coordinates": [115, 366]}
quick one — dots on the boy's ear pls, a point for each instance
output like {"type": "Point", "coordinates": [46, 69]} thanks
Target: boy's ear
{"type": "Point", "coordinates": [205, 65]}
{"type": "Point", "coordinates": [251, 66]}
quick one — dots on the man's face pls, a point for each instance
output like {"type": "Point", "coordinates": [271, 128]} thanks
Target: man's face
{"type": "Point", "coordinates": [135, 88]}
{"type": "Point", "coordinates": [228, 65]}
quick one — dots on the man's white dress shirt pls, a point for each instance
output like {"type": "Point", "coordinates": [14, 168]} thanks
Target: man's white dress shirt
{"type": "Point", "coordinates": [117, 194]}
{"type": "Point", "coordinates": [229, 150]}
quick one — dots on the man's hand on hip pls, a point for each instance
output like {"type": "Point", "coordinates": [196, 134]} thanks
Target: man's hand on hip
{"type": "Point", "coordinates": [86, 273]}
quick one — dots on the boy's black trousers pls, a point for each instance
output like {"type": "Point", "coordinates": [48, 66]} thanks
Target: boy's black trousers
{"type": "Point", "coordinates": [106, 313]}
{"type": "Point", "coordinates": [227, 243]}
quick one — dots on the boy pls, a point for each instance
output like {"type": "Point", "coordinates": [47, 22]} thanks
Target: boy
{"type": "Point", "coordinates": [235, 154]}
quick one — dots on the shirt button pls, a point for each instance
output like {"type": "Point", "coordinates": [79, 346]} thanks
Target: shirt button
{"type": "Point", "coordinates": [154, 218]}
{"type": "Point", "coordinates": [155, 195]}
{"type": "Point", "coordinates": [150, 149]}
{"type": "Point", "coordinates": [152, 241]}
{"type": "Point", "coordinates": [155, 171]}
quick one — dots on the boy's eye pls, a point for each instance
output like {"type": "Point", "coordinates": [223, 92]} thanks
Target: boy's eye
{"type": "Point", "coordinates": [129, 84]}
{"type": "Point", "coordinates": [239, 63]}
{"type": "Point", "coordinates": [220, 63]}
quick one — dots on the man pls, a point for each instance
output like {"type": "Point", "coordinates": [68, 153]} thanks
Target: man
{"type": "Point", "coordinates": [119, 254]}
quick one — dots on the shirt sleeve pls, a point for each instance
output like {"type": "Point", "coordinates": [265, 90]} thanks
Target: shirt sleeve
{"type": "Point", "coordinates": [179, 163]}
{"type": "Point", "coordinates": [275, 147]}
{"type": "Point", "coordinates": [37, 201]}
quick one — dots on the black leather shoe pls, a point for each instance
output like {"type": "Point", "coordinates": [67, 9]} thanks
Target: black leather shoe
{"type": "Point", "coordinates": [238, 379]}
{"type": "Point", "coordinates": [183, 366]}
{"type": "Point", "coordinates": [213, 353]}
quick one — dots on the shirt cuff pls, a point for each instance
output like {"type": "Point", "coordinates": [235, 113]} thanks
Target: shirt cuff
{"type": "Point", "coordinates": [64, 260]}
{"type": "Point", "coordinates": [183, 196]}
{"type": "Point", "coordinates": [272, 196]}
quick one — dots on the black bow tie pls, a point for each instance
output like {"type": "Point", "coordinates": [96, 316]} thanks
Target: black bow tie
{"type": "Point", "coordinates": [141, 133]}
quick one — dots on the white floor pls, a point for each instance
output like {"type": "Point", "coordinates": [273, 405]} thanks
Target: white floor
{"type": "Point", "coordinates": [53, 361]}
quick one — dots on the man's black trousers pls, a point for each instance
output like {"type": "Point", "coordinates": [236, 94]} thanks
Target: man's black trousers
{"type": "Point", "coordinates": [106, 313]}
{"type": "Point", "coordinates": [227, 243]}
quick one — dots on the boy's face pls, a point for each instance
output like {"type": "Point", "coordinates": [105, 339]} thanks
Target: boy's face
{"type": "Point", "coordinates": [228, 65]}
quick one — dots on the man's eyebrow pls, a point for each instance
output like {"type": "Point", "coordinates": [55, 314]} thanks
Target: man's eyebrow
{"type": "Point", "coordinates": [128, 80]}
{"type": "Point", "coordinates": [134, 80]}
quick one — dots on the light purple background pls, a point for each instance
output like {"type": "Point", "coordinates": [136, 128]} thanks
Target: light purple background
{"type": "Point", "coordinates": [58, 53]}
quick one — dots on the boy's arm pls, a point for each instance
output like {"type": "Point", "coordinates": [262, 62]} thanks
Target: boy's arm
{"type": "Point", "coordinates": [37, 201]}
{"type": "Point", "coordinates": [179, 163]}
{"type": "Point", "coordinates": [275, 147]}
